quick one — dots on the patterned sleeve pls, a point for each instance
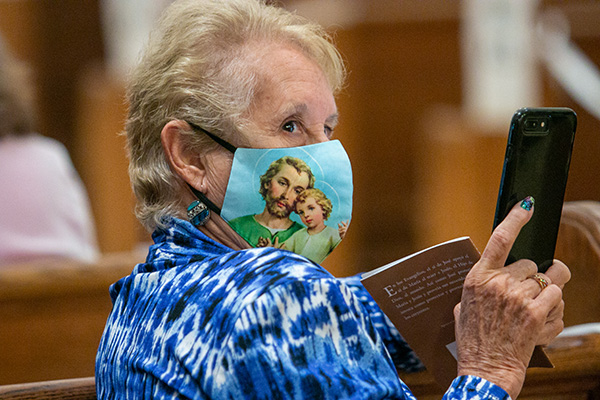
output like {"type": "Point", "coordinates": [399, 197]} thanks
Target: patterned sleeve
{"type": "Point", "coordinates": [403, 356]}
{"type": "Point", "coordinates": [305, 340]}
{"type": "Point", "coordinates": [474, 388]}
{"type": "Point", "coordinates": [309, 340]}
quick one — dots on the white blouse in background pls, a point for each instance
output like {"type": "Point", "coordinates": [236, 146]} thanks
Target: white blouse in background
{"type": "Point", "coordinates": [44, 207]}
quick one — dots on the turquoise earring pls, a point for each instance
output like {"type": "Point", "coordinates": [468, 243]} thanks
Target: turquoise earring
{"type": "Point", "coordinates": [198, 213]}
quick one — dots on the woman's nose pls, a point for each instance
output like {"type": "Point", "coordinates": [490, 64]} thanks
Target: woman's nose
{"type": "Point", "coordinates": [318, 136]}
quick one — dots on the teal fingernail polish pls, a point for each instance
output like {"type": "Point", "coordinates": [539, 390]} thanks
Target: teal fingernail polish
{"type": "Point", "coordinates": [528, 203]}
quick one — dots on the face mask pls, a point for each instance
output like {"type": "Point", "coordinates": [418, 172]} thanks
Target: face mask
{"type": "Point", "coordinates": [295, 198]}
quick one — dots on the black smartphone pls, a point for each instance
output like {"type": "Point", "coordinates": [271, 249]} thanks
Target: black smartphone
{"type": "Point", "coordinates": [536, 163]}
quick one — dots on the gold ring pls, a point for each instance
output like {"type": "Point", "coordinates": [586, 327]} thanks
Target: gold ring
{"type": "Point", "coordinates": [543, 282]}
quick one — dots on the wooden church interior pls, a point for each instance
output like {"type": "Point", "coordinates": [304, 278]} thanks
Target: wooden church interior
{"type": "Point", "coordinates": [426, 169]}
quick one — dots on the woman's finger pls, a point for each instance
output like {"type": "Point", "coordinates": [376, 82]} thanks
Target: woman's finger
{"type": "Point", "coordinates": [551, 297]}
{"type": "Point", "coordinates": [534, 284]}
{"type": "Point", "coordinates": [548, 299]}
{"type": "Point", "coordinates": [559, 273]}
{"type": "Point", "coordinates": [557, 312]}
{"type": "Point", "coordinates": [521, 269]}
{"type": "Point", "coordinates": [496, 251]}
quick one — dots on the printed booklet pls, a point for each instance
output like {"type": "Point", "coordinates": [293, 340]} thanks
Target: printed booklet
{"type": "Point", "coordinates": [418, 294]}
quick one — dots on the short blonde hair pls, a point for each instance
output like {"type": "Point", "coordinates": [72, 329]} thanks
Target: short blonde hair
{"type": "Point", "coordinates": [17, 108]}
{"type": "Point", "coordinates": [196, 68]}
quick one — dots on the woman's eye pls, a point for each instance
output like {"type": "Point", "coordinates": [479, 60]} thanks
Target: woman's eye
{"type": "Point", "coordinates": [290, 126]}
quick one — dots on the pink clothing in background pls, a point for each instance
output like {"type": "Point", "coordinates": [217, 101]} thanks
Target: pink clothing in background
{"type": "Point", "coordinates": [44, 208]}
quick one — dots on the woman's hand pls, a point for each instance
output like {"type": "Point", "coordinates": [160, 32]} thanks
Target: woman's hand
{"type": "Point", "coordinates": [503, 315]}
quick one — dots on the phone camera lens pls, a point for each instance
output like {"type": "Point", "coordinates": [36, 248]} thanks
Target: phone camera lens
{"type": "Point", "coordinates": [531, 124]}
{"type": "Point", "coordinates": [536, 126]}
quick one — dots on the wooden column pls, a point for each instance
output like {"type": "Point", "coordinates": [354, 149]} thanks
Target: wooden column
{"type": "Point", "coordinates": [99, 151]}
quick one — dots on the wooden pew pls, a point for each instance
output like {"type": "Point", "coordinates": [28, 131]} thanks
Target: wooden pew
{"type": "Point", "coordinates": [52, 314]}
{"type": "Point", "coordinates": [576, 374]}
{"type": "Point", "coordinates": [578, 246]}
{"type": "Point", "coordinates": [72, 389]}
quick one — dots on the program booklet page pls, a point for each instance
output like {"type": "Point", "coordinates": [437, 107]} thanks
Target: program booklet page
{"type": "Point", "coordinates": [418, 294]}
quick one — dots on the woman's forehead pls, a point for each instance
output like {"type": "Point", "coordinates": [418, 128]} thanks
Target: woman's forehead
{"type": "Point", "coordinates": [291, 82]}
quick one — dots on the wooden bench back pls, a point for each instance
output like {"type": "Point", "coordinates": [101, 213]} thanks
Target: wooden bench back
{"type": "Point", "coordinates": [71, 389]}
{"type": "Point", "coordinates": [52, 315]}
{"type": "Point", "coordinates": [578, 246]}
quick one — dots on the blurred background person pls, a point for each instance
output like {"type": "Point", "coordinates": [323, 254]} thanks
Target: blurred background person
{"type": "Point", "coordinates": [44, 207]}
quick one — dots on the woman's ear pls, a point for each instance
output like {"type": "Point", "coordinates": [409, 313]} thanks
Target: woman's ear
{"type": "Point", "coordinates": [183, 161]}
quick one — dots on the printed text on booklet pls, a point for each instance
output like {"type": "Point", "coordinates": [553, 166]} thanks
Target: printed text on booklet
{"type": "Point", "coordinates": [413, 295]}
{"type": "Point", "coordinates": [418, 294]}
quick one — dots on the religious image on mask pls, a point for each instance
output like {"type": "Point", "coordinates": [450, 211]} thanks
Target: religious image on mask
{"type": "Point", "coordinates": [298, 199]}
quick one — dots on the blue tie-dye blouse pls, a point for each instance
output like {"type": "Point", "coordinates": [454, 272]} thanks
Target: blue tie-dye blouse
{"type": "Point", "coordinates": [201, 321]}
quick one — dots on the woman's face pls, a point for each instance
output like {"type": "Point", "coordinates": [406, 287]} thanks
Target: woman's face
{"type": "Point", "coordinates": [294, 105]}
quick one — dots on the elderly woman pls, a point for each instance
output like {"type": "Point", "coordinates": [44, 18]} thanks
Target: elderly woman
{"type": "Point", "coordinates": [223, 86]}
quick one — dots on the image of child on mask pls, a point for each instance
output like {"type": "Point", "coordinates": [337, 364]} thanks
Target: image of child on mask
{"type": "Point", "coordinates": [317, 240]}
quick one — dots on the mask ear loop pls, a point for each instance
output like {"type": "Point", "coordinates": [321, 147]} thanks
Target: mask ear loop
{"type": "Point", "coordinates": [198, 212]}
{"type": "Point", "coordinates": [215, 138]}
